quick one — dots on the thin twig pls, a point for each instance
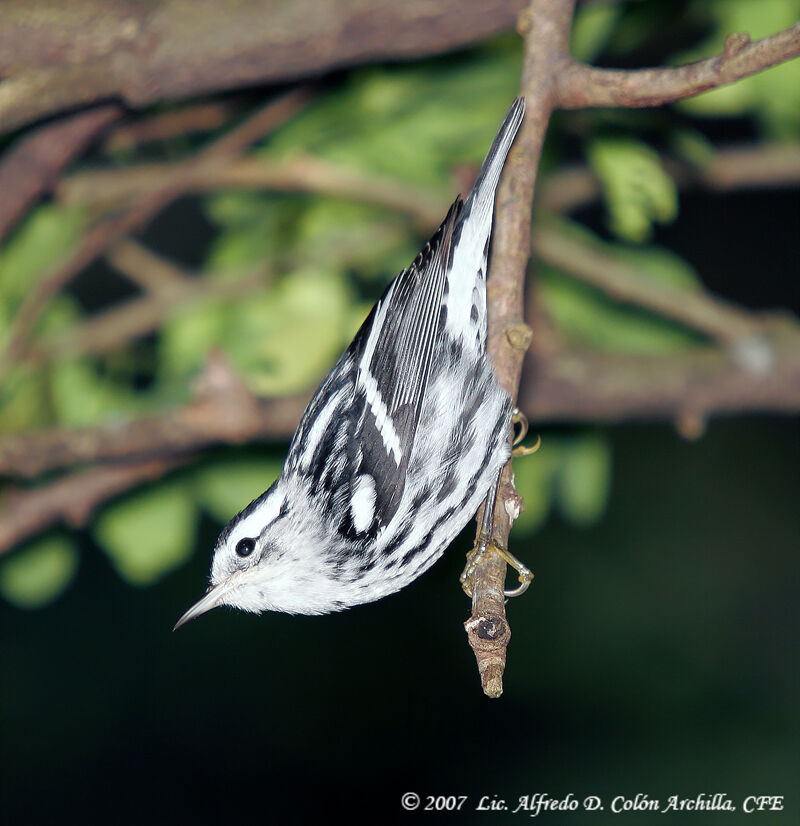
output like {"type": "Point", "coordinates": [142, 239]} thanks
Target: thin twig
{"type": "Point", "coordinates": [201, 117]}
{"type": "Point", "coordinates": [113, 328]}
{"type": "Point", "coordinates": [582, 385]}
{"type": "Point", "coordinates": [774, 166]}
{"type": "Point", "coordinates": [545, 27]}
{"type": "Point", "coordinates": [153, 273]}
{"type": "Point", "coordinates": [563, 190]}
{"type": "Point", "coordinates": [579, 85]}
{"type": "Point", "coordinates": [223, 412]}
{"type": "Point", "coordinates": [73, 498]}
{"type": "Point", "coordinates": [34, 162]}
{"type": "Point", "coordinates": [622, 281]}
{"type": "Point", "coordinates": [303, 173]}
{"type": "Point", "coordinates": [103, 235]}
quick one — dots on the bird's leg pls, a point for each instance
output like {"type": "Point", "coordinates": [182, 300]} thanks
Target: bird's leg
{"type": "Point", "coordinates": [484, 540]}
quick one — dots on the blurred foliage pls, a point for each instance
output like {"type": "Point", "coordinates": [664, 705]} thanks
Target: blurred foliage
{"type": "Point", "coordinates": [773, 96]}
{"type": "Point", "coordinates": [636, 188]}
{"type": "Point", "coordinates": [39, 571]}
{"type": "Point", "coordinates": [589, 316]}
{"type": "Point", "coordinates": [569, 472]}
{"type": "Point", "coordinates": [149, 532]}
{"type": "Point", "coordinates": [225, 486]}
{"type": "Point", "coordinates": [424, 124]}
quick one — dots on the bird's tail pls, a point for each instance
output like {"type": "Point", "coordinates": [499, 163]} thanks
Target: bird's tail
{"type": "Point", "coordinates": [480, 203]}
{"type": "Point", "coordinates": [466, 301]}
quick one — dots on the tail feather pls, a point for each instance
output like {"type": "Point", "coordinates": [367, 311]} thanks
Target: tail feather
{"type": "Point", "coordinates": [488, 178]}
{"type": "Point", "coordinates": [466, 293]}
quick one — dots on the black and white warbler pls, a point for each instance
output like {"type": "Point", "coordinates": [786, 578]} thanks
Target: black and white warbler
{"type": "Point", "coordinates": [398, 447]}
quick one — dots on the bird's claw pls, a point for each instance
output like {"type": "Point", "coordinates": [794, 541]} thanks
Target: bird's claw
{"type": "Point", "coordinates": [518, 418]}
{"type": "Point", "coordinates": [474, 557]}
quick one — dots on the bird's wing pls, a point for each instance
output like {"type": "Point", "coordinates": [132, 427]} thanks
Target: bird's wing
{"type": "Point", "coordinates": [393, 350]}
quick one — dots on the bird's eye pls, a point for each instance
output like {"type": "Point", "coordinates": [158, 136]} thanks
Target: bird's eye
{"type": "Point", "coordinates": [244, 547]}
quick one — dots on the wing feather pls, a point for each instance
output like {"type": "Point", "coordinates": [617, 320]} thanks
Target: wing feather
{"type": "Point", "coordinates": [394, 368]}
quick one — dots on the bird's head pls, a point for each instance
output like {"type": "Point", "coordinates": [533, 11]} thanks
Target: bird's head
{"type": "Point", "coordinates": [266, 559]}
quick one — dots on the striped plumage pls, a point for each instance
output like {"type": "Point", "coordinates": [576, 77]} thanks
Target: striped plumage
{"type": "Point", "coordinates": [399, 445]}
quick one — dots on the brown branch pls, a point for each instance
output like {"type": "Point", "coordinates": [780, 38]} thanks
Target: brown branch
{"type": "Point", "coordinates": [545, 26]}
{"type": "Point", "coordinates": [137, 317]}
{"type": "Point", "coordinates": [152, 272]}
{"type": "Point", "coordinates": [568, 385]}
{"type": "Point", "coordinates": [579, 86]}
{"type": "Point", "coordinates": [303, 173]}
{"type": "Point", "coordinates": [581, 385]}
{"type": "Point", "coordinates": [72, 499]}
{"type": "Point", "coordinates": [201, 117]}
{"type": "Point", "coordinates": [141, 53]}
{"type": "Point", "coordinates": [563, 384]}
{"type": "Point", "coordinates": [103, 235]}
{"type": "Point", "coordinates": [622, 281]}
{"type": "Point", "coordinates": [743, 167]}
{"type": "Point", "coordinates": [224, 412]}
{"type": "Point", "coordinates": [564, 190]}
{"type": "Point", "coordinates": [710, 316]}
{"type": "Point", "coordinates": [34, 162]}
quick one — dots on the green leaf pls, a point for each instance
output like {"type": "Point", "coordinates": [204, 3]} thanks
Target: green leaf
{"type": "Point", "coordinates": [46, 234]}
{"type": "Point", "coordinates": [39, 243]}
{"type": "Point", "coordinates": [284, 340]}
{"type": "Point", "coordinates": [80, 396]}
{"type": "Point", "coordinates": [773, 95]}
{"type": "Point", "coordinates": [583, 482]}
{"type": "Point", "coordinates": [340, 233]}
{"type": "Point", "coordinates": [255, 227]}
{"type": "Point", "coordinates": [187, 337]}
{"type": "Point", "coordinates": [148, 533]}
{"type": "Point", "coordinates": [39, 572]}
{"type": "Point", "coordinates": [593, 25]}
{"type": "Point", "coordinates": [534, 477]}
{"type": "Point", "coordinates": [24, 400]}
{"type": "Point", "coordinates": [637, 190]}
{"type": "Point", "coordinates": [227, 486]}
{"type": "Point", "coordinates": [586, 315]}
{"type": "Point", "coordinates": [412, 122]}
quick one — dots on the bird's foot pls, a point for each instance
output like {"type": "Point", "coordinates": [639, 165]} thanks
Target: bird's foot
{"type": "Point", "coordinates": [520, 420]}
{"type": "Point", "coordinates": [525, 575]}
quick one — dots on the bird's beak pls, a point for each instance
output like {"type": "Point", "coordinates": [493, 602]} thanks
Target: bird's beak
{"type": "Point", "coordinates": [212, 598]}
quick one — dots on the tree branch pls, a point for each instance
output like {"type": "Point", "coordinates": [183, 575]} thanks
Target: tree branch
{"type": "Point", "coordinates": [568, 385]}
{"type": "Point", "coordinates": [774, 166]}
{"type": "Point", "coordinates": [695, 309]}
{"type": "Point", "coordinates": [303, 173]}
{"type": "Point", "coordinates": [141, 53]}
{"type": "Point", "coordinates": [578, 85]}
{"type": "Point", "coordinates": [34, 162]}
{"type": "Point", "coordinates": [224, 411]}
{"type": "Point", "coordinates": [188, 120]}
{"type": "Point", "coordinates": [73, 498]}
{"type": "Point", "coordinates": [103, 235]}
{"type": "Point", "coordinates": [545, 26]}
{"type": "Point", "coordinates": [581, 385]}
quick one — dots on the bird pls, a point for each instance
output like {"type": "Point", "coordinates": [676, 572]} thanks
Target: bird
{"type": "Point", "coordinates": [398, 447]}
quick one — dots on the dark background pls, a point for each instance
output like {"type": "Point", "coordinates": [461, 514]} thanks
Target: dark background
{"type": "Point", "coordinates": [656, 652]}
